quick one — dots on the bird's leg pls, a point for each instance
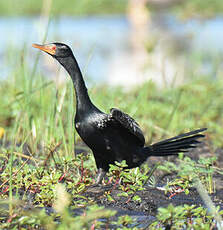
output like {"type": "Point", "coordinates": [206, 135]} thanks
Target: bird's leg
{"type": "Point", "coordinates": [100, 175]}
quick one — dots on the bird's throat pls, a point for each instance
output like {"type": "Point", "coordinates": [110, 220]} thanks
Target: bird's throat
{"type": "Point", "coordinates": [82, 98]}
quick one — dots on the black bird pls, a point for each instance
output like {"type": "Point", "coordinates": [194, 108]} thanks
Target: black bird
{"type": "Point", "coordinates": [115, 136]}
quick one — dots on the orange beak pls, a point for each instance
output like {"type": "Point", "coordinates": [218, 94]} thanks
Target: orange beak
{"type": "Point", "coordinates": [50, 49]}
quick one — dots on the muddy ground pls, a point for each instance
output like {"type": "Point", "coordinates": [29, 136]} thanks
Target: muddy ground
{"type": "Point", "coordinates": [154, 197]}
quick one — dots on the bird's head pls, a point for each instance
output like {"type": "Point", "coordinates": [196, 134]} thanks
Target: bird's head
{"type": "Point", "coordinates": [57, 50]}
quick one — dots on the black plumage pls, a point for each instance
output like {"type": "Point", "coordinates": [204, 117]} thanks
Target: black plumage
{"type": "Point", "coordinates": [114, 136]}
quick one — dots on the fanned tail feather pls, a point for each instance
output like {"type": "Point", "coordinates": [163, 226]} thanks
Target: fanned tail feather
{"type": "Point", "coordinates": [177, 144]}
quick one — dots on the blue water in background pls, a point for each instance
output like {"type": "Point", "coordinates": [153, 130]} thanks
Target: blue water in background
{"type": "Point", "coordinates": [207, 34]}
{"type": "Point", "coordinates": [96, 39]}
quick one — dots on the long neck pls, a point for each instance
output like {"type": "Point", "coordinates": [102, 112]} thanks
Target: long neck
{"type": "Point", "coordinates": [82, 98]}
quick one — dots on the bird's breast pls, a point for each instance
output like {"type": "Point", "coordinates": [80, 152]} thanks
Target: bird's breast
{"type": "Point", "coordinates": [88, 127]}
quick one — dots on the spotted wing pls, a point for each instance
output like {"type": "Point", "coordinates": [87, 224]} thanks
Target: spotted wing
{"type": "Point", "coordinates": [129, 123]}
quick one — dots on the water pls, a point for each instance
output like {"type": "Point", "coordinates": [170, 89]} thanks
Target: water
{"type": "Point", "coordinates": [98, 41]}
{"type": "Point", "coordinates": [205, 34]}
{"type": "Point", "coordinates": [93, 38]}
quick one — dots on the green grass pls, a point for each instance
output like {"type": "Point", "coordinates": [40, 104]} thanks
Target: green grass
{"type": "Point", "coordinates": [69, 7]}
{"type": "Point", "coordinates": [34, 111]}
{"type": "Point", "coordinates": [188, 9]}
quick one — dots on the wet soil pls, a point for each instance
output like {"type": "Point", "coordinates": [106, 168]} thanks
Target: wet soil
{"type": "Point", "coordinates": [154, 197]}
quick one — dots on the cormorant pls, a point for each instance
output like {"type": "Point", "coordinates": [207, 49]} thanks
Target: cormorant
{"type": "Point", "coordinates": [114, 136]}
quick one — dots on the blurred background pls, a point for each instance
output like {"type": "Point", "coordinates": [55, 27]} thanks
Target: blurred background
{"type": "Point", "coordinates": [118, 42]}
{"type": "Point", "coordinates": [160, 61]}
